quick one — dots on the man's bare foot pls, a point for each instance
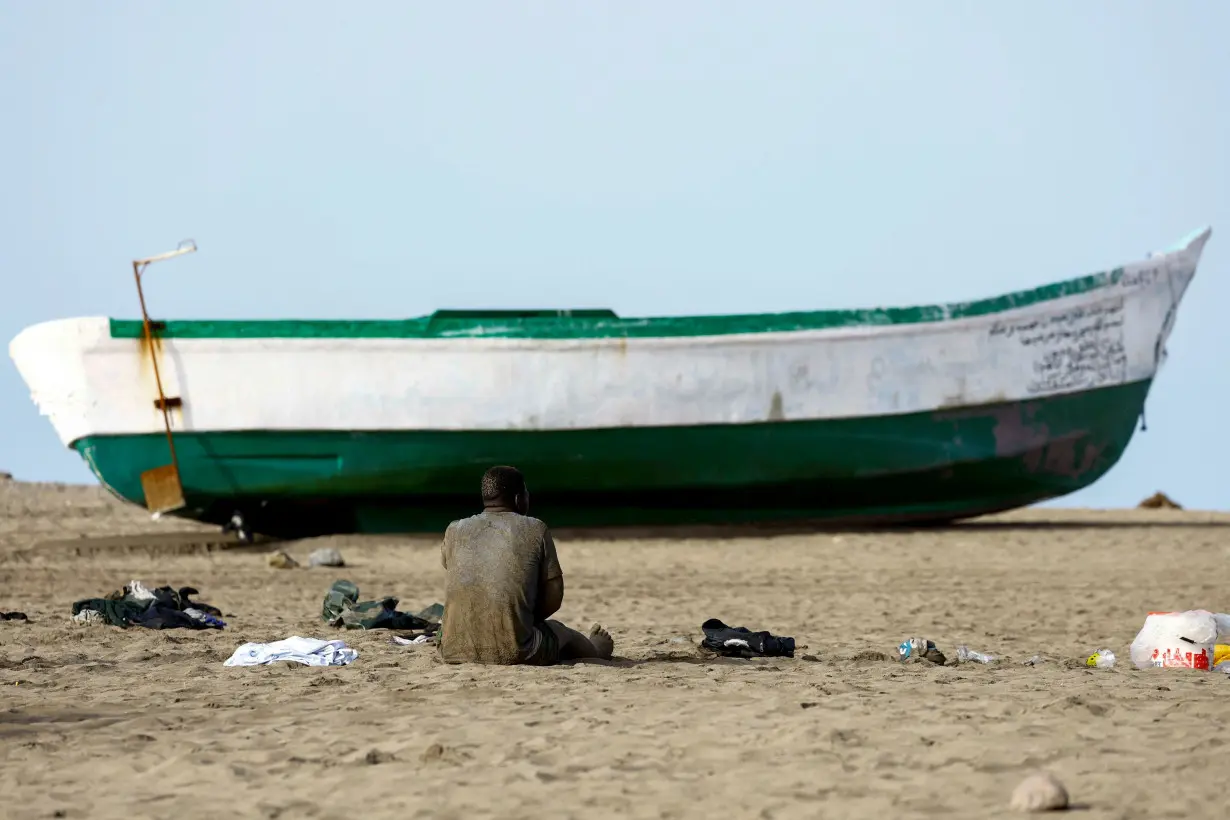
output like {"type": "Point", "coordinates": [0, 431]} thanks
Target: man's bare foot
{"type": "Point", "coordinates": [602, 641]}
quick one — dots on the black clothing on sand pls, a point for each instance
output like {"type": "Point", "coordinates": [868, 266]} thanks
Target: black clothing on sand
{"type": "Point", "coordinates": [164, 611]}
{"type": "Point", "coordinates": [741, 642]}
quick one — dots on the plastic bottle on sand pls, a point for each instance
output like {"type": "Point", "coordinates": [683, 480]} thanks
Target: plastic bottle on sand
{"type": "Point", "coordinates": [1102, 659]}
{"type": "Point", "coordinates": [965, 654]}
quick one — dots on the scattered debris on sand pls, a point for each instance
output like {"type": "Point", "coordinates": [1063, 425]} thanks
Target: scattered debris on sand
{"type": "Point", "coordinates": [326, 557]}
{"type": "Point", "coordinates": [280, 560]}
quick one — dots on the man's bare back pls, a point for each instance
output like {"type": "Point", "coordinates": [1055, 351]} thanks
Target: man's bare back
{"type": "Point", "coordinates": [504, 582]}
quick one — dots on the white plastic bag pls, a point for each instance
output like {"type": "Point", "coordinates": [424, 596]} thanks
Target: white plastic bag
{"type": "Point", "coordinates": [1223, 627]}
{"type": "Point", "coordinates": [1184, 640]}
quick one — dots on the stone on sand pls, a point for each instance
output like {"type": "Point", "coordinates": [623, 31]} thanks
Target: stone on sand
{"type": "Point", "coordinates": [1040, 792]}
{"type": "Point", "coordinates": [326, 557]}
{"type": "Point", "coordinates": [280, 560]}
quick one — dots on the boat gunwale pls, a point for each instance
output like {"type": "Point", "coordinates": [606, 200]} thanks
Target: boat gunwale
{"type": "Point", "coordinates": [572, 327]}
{"type": "Point", "coordinates": [769, 337]}
{"type": "Point", "coordinates": [560, 325]}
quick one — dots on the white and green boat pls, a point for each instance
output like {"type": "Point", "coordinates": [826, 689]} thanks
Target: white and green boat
{"type": "Point", "coordinates": [923, 414]}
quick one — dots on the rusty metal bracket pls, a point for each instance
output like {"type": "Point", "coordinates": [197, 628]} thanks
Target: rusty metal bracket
{"type": "Point", "coordinates": [163, 486]}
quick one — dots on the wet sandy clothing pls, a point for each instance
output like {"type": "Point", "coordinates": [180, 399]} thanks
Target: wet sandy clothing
{"type": "Point", "coordinates": [342, 607]}
{"type": "Point", "coordinates": [497, 563]}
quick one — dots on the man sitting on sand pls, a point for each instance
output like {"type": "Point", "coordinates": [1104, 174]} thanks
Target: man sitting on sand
{"type": "Point", "coordinates": [504, 581]}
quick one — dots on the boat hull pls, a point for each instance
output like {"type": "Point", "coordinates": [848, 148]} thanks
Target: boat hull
{"type": "Point", "coordinates": [931, 413]}
{"type": "Point", "coordinates": [925, 467]}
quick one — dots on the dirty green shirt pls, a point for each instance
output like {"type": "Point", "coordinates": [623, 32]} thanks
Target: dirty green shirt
{"type": "Point", "coordinates": [497, 563]}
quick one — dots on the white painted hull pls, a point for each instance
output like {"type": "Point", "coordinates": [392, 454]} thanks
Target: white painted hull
{"type": "Point", "coordinates": [90, 384]}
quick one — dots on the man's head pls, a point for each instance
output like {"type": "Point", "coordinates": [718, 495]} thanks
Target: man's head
{"type": "Point", "coordinates": [505, 487]}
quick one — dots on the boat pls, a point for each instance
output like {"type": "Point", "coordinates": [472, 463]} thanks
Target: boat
{"type": "Point", "coordinates": [919, 415]}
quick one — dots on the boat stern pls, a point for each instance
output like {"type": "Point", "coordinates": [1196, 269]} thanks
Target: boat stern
{"type": "Point", "coordinates": [79, 377]}
{"type": "Point", "coordinates": [52, 360]}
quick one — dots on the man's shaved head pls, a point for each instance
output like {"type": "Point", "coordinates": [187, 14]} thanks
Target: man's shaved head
{"type": "Point", "coordinates": [502, 485]}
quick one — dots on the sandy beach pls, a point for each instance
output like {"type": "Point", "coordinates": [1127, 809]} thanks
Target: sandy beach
{"type": "Point", "coordinates": [101, 722]}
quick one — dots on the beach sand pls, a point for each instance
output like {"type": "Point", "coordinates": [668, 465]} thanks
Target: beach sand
{"type": "Point", "coordinates": [101, 722]}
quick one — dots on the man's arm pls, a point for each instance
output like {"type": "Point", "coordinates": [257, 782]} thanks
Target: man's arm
{"type": "Point", "coordinates": [551, 585]}
{"type": "Point", "coordinates": [551, 599]}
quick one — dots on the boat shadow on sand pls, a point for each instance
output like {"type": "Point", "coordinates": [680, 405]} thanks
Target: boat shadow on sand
{"type": "Point", "coordinates": [1102, 521]}
{"type": "Point", "coordinates": [198, 542]}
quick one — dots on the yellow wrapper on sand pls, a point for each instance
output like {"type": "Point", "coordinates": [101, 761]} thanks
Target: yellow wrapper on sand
{"type": "Point", "coordinates": [1221, 652]}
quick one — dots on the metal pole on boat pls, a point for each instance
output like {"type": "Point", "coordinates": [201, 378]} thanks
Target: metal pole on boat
{"type": "Point", "coordinates": [162, 485]}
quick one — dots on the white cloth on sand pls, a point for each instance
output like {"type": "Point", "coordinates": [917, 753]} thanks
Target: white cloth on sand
{"type": "Point", "coordinates": [400, 641]}
{"type": "Point", "coordinates": [308, 651]}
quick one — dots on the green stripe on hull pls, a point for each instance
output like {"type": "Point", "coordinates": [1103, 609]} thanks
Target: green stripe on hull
{"type": "Point", "coordinates": [937, 465]}
{"type": "Point", "coordinates": [591, 324]}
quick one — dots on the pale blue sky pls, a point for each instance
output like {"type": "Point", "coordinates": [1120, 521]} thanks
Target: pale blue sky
{"type": "Point", "coordinates": [383, 159]}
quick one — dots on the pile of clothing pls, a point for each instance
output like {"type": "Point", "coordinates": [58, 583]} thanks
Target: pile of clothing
{"type": "Point", "coordinates": [161, 608]}
{"type": "Point", "coordinates": [343, 608]}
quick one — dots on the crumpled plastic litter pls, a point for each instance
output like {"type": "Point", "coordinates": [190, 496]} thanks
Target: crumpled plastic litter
{"type": "Point", "coordinates": [400, 641]}
{"type": "Point", "coordinates": [1185, 639]}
